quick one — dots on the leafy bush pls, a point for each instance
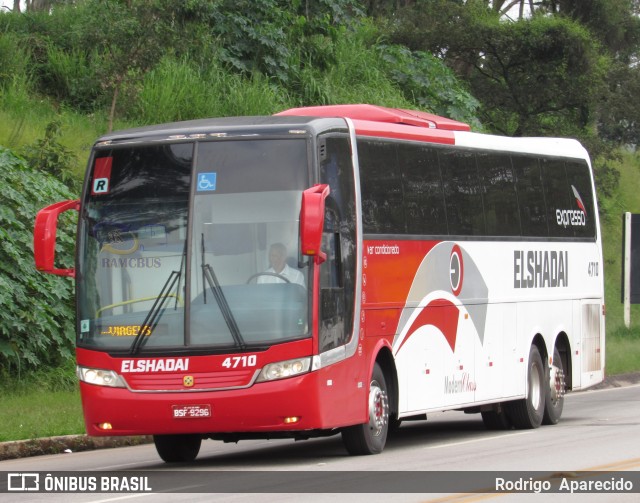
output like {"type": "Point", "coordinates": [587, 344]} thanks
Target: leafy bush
{"type": "Point", "coordinates": [72, 77]}
{"type": "Point", "coordinates": [49, 155]}
{"type": "Point", "coordinates": [36, 310]}
{"type": "Point", "coordinates": [180, 90]}
{"type": "Point", "coordinates": [13, 60]}
{"type": "Point", "coordinates": [427, 81]}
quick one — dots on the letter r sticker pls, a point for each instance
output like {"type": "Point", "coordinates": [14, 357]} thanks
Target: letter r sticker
{"type": "Point", "coordinates": [101, 176]}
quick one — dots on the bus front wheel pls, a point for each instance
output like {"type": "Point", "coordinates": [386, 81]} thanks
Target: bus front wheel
{"type": "Point", "coordinates": [177, 448]}
{"type": "Point", "coordinates": [370, 437]}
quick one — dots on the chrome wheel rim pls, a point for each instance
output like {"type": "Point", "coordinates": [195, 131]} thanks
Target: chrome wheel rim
{"type": "Point", "coordinates": [535, 386]}
{"type": "Point", "coordinates": [378, 409]}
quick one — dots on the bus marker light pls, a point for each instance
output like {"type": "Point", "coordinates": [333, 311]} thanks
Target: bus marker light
{"type": "Point", "coordinates": [105, 426]}
{"type": "Point", "coordinates": [291, 419]}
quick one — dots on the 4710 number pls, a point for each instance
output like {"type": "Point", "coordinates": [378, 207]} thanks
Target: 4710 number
{"type": "Point", "coordinates": [234, 362]}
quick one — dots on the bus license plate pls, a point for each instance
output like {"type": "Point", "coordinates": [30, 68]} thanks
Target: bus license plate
{"type": "Point", "coordinates": [191, 411]}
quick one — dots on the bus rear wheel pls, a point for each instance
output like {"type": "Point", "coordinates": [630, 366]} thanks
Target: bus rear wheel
{"type": "Point", "coordinates": [370, 437]}
{"type": "Point", "coordinates": [554, 400]}
{"type": "Point", "coordinates": [177, 448]}
{"type": "Point", "coordinates": [528, 412]}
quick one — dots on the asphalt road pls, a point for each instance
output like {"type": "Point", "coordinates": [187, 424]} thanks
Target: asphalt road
{"type": "Point", "coordinates": [599, 431]}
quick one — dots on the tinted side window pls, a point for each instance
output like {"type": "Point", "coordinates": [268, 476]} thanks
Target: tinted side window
{"type": "Point", "coordinates": [533, 215]}
{"type": "Point", "coordinates": [462, 192]}
{"type": "Point", "coordinates": [500, 202]}
{"type": "Point", "coordinates": [423, 196]}
{"type": "Point", "coordinates": [582, 214]}
{"type": "Point", "coordinates": [381, 182]}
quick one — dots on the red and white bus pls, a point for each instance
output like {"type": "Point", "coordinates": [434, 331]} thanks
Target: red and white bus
{"type": "Point", "coordinates": [427, 268]}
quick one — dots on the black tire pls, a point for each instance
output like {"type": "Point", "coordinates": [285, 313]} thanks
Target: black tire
{"type": "Point", "coordinates": [528, 412]}
{"type": "Point", "coordinates": [554, 400]}
{"type": "Point", "coordinates": [496, 419]}
{"type": "Point", "coordinates": [177, 448]}
{"type": "Point", "coordinates": [370, 437]}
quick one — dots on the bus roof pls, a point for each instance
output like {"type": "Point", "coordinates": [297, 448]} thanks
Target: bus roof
{"type": "Point", "coordinates": [372, 120]}
{"type": "Point", "coordinates": [369, 120]}
{"type": "Point", "coordinates": [194, 129]}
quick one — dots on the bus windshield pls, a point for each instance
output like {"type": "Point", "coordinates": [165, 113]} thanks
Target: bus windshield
{"type": "Point", "coordinates": [178, 254]}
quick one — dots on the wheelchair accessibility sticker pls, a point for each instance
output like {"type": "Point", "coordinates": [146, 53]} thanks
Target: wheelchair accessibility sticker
{"type": "Point", "coordinates": [206, 181]}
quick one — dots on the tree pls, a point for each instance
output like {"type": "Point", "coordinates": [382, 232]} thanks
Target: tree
{"type": "Point", "coordinates": [131, 40]}
{"type": "Point", "coordinates": [536, 76]}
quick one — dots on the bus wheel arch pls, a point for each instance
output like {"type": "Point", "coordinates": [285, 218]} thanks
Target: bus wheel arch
{"type": "Point", "coordinates": [387, 364]}
{"type": "Point", "coordinates": [371, 437]}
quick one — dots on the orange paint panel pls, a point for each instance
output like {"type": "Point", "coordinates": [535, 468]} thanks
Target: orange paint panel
{"type": "Point", "coordinates": [389, 268]}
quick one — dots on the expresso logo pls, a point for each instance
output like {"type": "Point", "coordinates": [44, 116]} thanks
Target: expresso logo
{"type": "Point", "coordinates": [574, 217]}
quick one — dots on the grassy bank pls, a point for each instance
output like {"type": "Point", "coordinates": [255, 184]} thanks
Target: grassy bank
{"type": "Point", "coordinates": [38, 404]}
{"type": "Point", "coordinates": [37, 414]}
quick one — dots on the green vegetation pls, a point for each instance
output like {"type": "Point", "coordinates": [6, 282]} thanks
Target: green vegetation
{"type": "Point", "coordinates": [37, 317]}
{"type": "Point", "coordinates": [74, 70]}
{"type": "Point", "coordinates": [48, 401]}
{"type": "Point", "coordinates": [623, 345]}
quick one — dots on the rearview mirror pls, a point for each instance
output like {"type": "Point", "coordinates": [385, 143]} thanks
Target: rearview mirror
{"type": "Point", "coordinates": [44, 237]}
{"type": "Point", "coordinates": [312, 221]}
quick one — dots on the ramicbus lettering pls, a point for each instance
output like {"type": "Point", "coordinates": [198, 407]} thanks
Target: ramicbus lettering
{"type": "Point", "coordinates": [132, 262]}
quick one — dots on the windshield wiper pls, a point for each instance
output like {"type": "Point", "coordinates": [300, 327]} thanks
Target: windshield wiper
{"type": "Point", "coordinates": [155, 313]}
{"type": "Point", "coordinates": [212, 280]}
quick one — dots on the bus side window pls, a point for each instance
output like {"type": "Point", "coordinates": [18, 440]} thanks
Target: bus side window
{"type": "Point", "coordinates": [337, 273]}
{"type": "Point", "coordinates": [330, 275]}
{"type": "Point", "coordinates": [332, 298]}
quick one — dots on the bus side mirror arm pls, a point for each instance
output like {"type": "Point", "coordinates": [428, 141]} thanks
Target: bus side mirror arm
{"type": "Point", "coordinates": [312, 221]}
{"type": "Point", "coordinates": [44, 237]}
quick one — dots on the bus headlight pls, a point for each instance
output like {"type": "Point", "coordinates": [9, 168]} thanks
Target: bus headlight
{"type": "Point", "coordinates": [100, 377]}
{"type": "Point", "coordinates": [282, 370]}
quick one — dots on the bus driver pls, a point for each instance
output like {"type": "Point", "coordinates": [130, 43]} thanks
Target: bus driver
{"type": "Point", "coordinates": [278, 262]}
